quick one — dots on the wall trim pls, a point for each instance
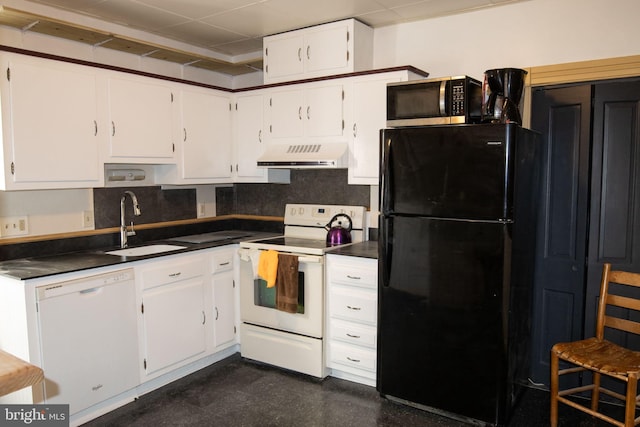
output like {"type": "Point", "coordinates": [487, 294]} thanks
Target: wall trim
{"type": "Point", "coordinates": [573, 72]}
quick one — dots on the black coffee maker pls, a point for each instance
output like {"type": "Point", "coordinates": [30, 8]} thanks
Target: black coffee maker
{"type": "Point", "coordinates": [501, 95]}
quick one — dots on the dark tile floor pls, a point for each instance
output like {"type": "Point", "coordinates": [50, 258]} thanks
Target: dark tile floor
{"type": "Point", "coordinates": [236, 392]}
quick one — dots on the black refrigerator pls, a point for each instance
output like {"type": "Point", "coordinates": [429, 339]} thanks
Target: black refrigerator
{"type": "Point", "coordinates": [456, 262]}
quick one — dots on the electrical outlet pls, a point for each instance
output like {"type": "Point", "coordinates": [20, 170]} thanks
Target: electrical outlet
{"type": "Point", "coordinates": [14, 226]}
{"type": "Point", "coordinates": [201, 210]}
{"type": "Point", "coordinates": [87, 219]}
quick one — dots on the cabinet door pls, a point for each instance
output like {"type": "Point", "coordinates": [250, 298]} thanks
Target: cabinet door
{"type": "Point", "coordinates": [315, 112]}
{"type": "Point", "coordinates": [286, 114]}
{"type": "Point", "coordinates": [283, 57]}
{"type": "Point", "coordinates": [224, 308]}
{"type": "Point", "coordinates": [326, 49]}
{"type": "Point", "coordinates": [52, 147]}
{"type": "Point", "coordinates": [249, 136]}
{"type": "Point", "coordinates": [323, 111]}
{"type": "Point", "coordinates": [140, 120]}
{"type": "Point", "coordinates": [206, 136]}
{"type": "Point", "coordinates": [369, 116]}
{"type": "Point", "coordinates": [174, 323]}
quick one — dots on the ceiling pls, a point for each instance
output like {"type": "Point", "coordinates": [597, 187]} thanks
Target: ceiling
{"type": "Point", "coordinates": [232, 30]}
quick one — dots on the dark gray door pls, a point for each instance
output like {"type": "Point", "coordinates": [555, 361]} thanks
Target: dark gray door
{"type": "Point", "coordinates": [614, 231]}
{"type": "Point", "coordinates": [590, 212]}
{"type": "Point", "coordinates": [563, 116]}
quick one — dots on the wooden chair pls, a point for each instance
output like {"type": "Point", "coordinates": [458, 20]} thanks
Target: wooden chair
{"type": "Point", "coordinates": [600, 356]}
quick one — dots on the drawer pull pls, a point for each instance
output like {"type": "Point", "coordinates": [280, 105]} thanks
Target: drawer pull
{"type": "Point", "coordinates": [353, 360]}
{"type": "Point", "coordinates": [353, 336]}
{"type": "Point", "coordinates": [353, 277]}
{"type": "Point", "coordinates": [354, 308]}
{"type": "Point", "coordinates": [175, 274]}
{"type": "Point", "coordinates": [224, 263]}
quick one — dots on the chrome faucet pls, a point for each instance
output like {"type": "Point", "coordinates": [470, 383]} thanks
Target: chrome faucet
{"type": "Point", "coordinates": [124, 233]}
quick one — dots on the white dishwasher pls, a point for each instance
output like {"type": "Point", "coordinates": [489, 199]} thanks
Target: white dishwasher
{"type": "Point", "coordinates": [88, 338]}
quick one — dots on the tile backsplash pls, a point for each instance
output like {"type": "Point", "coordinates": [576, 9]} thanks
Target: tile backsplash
{"type": "Point", "coordinates": [322, 186]}
{"type": "Point", "coordinates": [326, 186]}
{"type": "Point", "coordinates": [156, 205]}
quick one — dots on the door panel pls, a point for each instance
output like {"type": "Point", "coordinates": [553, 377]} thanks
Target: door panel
{"type": "Point", "coordinates": [615, 195]}
{"type": "Point", "coordinates": [563, 116]}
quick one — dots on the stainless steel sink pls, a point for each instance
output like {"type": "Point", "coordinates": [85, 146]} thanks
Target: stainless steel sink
{"type": "Point", "coordinates": [145, 250]}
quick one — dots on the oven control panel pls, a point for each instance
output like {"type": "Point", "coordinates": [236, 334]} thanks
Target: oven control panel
{"type": "Point", "coordinates": [320, 215]}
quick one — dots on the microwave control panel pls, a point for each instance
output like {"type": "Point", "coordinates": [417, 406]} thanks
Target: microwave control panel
{"type": "Point", "coordinates": [457, 98]}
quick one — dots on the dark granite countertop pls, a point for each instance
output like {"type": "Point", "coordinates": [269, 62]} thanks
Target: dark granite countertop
{"type": "Point", "coordinates": [367, 249]}
{"type": "Point", "coordinates": [41, 266]}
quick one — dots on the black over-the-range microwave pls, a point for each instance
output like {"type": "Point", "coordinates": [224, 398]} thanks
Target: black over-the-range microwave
{"type": "Point", "coordinates": [447, 100]}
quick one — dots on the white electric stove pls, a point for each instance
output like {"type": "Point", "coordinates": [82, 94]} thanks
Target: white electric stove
{"type": "Point", "coordinates": [292, 341]}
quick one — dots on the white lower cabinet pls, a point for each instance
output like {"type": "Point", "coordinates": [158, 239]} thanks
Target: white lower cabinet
{"type": "Point", "coordinates": [224, 311]}
{"type": "Point", "coordinates": [352, 303]}
{"type": "Point", "coordinates": [173, 312]}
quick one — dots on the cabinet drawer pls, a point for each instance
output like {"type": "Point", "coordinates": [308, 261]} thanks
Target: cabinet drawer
{"type": "Point", "coordinates": [222, 261]}
{"type": "Point", "coordinates": [353, 333]}
{"type": "Point", "coordinates": [172, 271]}
{"type": "Point", "coordinates": [355, 275]}
{"type": "Point", "coordinates": [354, 304]}
{"type": "Point", "coordinates": [344, 354]}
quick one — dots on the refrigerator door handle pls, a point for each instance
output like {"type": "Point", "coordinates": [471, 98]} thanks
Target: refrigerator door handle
{"type": "Point", "coordinates": [385, 184]}
{"type": "Point", "coordinates": [385, 251]}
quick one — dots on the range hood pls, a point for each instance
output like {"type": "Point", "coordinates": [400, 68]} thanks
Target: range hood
{"type": "Point", "coordinates": [308, 156]}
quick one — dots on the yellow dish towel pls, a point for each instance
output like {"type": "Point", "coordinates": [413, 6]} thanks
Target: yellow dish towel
{"type": "Point", "coordinates": [268, 267]}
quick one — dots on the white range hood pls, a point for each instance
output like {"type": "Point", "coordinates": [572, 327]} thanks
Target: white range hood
{"type": "Point", "coordinates": [298, 156]}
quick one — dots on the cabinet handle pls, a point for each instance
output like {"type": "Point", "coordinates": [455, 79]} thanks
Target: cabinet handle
{"type": "Point", "coordinates": [184, 130]}
{"type": "Point", "coordinates": [353, 336]}
{"type": "Point", "coordinates": [353, 277]}
{"type": "Point", "coordinates": [355, 130]}
{"type": "Point", "coordinates": [309, 112]}
{"type": "Point", "coordinates": [260, 135]}
{"type": "Point", "coordinates": [353, 360]}
{"type": "Point", "coordinates": [354, 308]}
{"type": "Point", "coordinates": [299, 54]}
{"type": "Point", "coordinates": [217, 314]}
{"type": "Point", "coordinates": [204, 317]}
{"type": "Point", "coordinates": [113, 128]}
{"type": "Point", "coordinates": [95, 128]}
{"type": "Point", "coordinates": [175, 274]}
{"type": "Point", "coordinates": [309, 52]}
{"type": "Point", "coordinates": [300, 113]}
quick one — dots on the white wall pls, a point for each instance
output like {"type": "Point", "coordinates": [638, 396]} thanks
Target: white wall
{"type": "Point", "coordinates": [524, 34]}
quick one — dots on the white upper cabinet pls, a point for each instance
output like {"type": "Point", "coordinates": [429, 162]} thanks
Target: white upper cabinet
{"type": "Point", "coordinates": [50, 128]}
{"type": "Point", "coordinates": [248, 137]}
{"type": "Point", "coordinates": [306, 113]}
{"type": "Point", "coordinates": [368, 113]}
{"type": "Point", "coordinates": [205, 136]}
{"type": "Point", "coordinates": [335, 48]}
{"type": "Point", "coordinates": [140, 120]}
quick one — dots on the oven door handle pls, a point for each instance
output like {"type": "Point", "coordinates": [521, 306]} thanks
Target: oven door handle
{"type": "Point", "coordinates": [309, 259]}
{"type": "Point", "coordinates": [302, 258]}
